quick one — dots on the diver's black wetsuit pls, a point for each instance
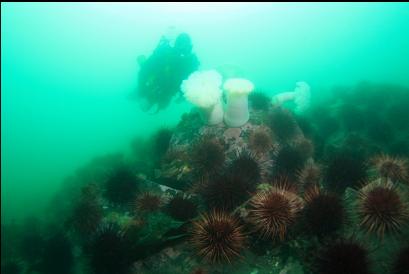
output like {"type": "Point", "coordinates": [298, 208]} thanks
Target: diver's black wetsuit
{"type": "Point", "coordinates": [161, 75]}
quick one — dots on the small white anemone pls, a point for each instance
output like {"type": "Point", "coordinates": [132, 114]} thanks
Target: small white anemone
{"type": "Point", "coordinates": [301, 97]}
{"type": "Point", "coordinates": [203, 89]}
{"type": "Point", "coordinates": [237, 109]}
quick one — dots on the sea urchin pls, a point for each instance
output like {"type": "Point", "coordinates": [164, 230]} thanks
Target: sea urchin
{"type": "Point", "coordinates": [260, 141]}
{"type": "Point", "coordinates": [109, 251]}
{"type": "Point", "coordinates": [208, 156]}
{"type": "Point", "coordinates": [218, 237]}
{"type": "Point", "coordinates": [121, 186]}
{"type": "Point", "coordinates": [323, 212]}
{"type": "Point", "coordinates": [227, 191]}
{"type": "Point", "coordinates": [181, 208]}
{"type": "Point", "coordinates": [381, 208]}
{"type": "Point", "coordinates": [395, 169]}
{"type": "Point", "coordinates": [273, 211]}
{"type": "Point", "coordinates": [401, 262]}
{"type": "Point", "coordinates": [283, 124]}
{"type": "Point", "coordinates": [343, 257]}
{"type": "Point", "coordinates": [148, 202]}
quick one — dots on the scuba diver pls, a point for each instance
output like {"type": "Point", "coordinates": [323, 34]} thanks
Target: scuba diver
{"type": "Point", "coordinates": [161, 74]}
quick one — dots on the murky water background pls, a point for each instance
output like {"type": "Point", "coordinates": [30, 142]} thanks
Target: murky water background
{"type": "Point", "coordinates": [67, 71]}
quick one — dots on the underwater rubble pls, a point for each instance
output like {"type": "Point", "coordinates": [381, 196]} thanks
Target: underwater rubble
{"type": "Point", "coordinates": [294, 189]}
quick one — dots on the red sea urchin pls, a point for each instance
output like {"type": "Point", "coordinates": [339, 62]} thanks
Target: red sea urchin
{"type": "Point", "coordinates": [181, 208]}
{"type": "Point", "coordinates": [401, 262]}
{"type": "Point", "coordinates": [342, 257]}
{"type": "Point", "coordinates": [247, 166]}
{"type": "Point", "coordinates": [87, 211]}
{"type": "Point", "coordinates": [273, 211]}
{"type": "Point", "coordinates": [148, 202]}
{"type": "Point", "coordinates": [258, 100]}
{"type": "Point", "coordinates": [345, 169]}
{"type": "Point", "coordinates": [208, 156]}
{"type": "Point", "coordinates": [282, 124]}
{"type": "Point", "coordinates": [161, 141]}
{"type": "Point", "coordinates": [309, 176]}
{"type": "Point", "coordinates": [121, 187]}
{"type": "Point", "coordinates": [395, 169]}
{"type": "Point", "coordinates": [86, 216]}
{"type": "Point", "coordinates": [58, 256]}
{"type": "Point", "coordinates": [234, 186]}
{"type": "Point", "coordinates": [12, 267]}
{"type": "Point", "coordinates": [260, 140]}
{"type": "Point", "coordinates": [226, 192]}
{"type": "Point", "coordinates": [218, 237]}
{"type": "Point", "coordinates": [381, 208]}
{"type": "Point", "coordinates": [323, 213]}
{"type": "Point", "coordinates": [109, 251]}
{"type": "Point", "coordinates": [287, 161]}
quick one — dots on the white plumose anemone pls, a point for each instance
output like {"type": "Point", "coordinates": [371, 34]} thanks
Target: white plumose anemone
{"type": "Point", "coordinates": [203, 89]}
{"type": "Point", "coordinates": [237, 110]}
{"type": "Point", "coordinates": [301, 97]}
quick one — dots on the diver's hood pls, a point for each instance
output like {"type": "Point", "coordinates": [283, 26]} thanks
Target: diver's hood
{"type": "Point", "coordinates": [171, 33]}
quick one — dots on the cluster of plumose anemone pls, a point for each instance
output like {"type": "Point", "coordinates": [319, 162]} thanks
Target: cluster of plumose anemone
{"type": "Point", "coordinates": [204, 90]}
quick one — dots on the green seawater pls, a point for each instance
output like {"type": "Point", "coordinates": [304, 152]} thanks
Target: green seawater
{"type": "Point", "coordinates": [68, 71]}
